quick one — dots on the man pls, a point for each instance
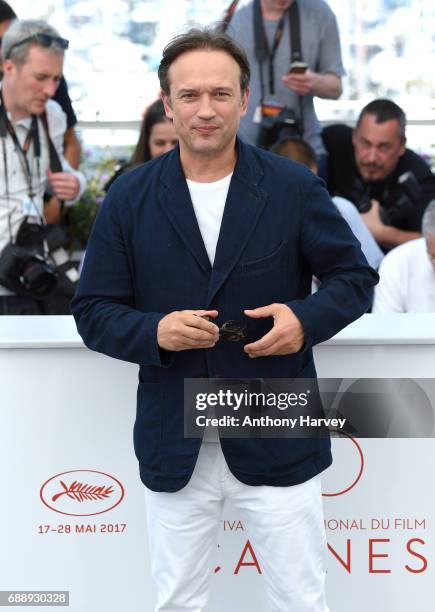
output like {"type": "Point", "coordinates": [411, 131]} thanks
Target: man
{"type": "Point", "coordinates": [72, 147]}
{"type": "Point", "coordinates": [407, 274]}
{"type": "Point", "coordinates": [263, 29]}
{"type": "Point", "coordinates": [71, 143]}
{"type": "Point", "coordinates": [221, 229]}
{"type": "Point", "coordinates": [300, 151]}
{"type": "Point", "coordinates": [389, 184]}
{"type": "Point", "coordinates": [32, 129]}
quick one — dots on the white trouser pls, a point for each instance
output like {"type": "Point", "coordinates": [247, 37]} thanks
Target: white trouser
{"type": "Point", "coordinates": [285, 526]}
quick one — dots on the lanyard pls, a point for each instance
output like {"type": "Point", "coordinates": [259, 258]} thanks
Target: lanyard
{"type": "Point", "coordinates": [32, 136]}
{"type": "Point", "coordinates": [261, 45]}
{"type": "Point", "coordinates": [263, 50]}
{"type": "Point", "coordinates": [276, 40]}
{"type": "Point", "coordinates": [6, 127]}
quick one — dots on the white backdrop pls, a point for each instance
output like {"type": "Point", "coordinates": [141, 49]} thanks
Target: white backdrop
{"type": "Point", "coordinates": [66, 416]}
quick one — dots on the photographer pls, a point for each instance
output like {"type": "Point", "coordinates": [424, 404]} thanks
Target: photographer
{"type": "Point", "coordinates": [388, 183]}
{"type": "Point", "coordinates": [294, 49]}
{"type": "Point", "coordinates": [35, 276]}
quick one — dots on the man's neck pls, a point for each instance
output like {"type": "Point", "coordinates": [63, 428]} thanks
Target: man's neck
{"type": "Point", "coordinates": [270, 14]}
{"type": "Point", "coordinates": [16, 113]}
{"type": "Point", "coordinates": [207, 168]}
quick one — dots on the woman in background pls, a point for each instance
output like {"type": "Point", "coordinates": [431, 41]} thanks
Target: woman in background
{"type": "Point", "coordinates": [157, 136]}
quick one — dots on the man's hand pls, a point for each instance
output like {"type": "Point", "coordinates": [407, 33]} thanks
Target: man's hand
{"type": "Point", "coordinates": [65, 186]}
{"type": "Point", "coordinates": [186, 329]}
{"type": "Point", "coordinates": [286, 336]}
{"type": "Point", "coordinates": [326, 85]}
{"type": "Point", "coordinates": [387, 235]}
{"type": "Point", "coordinates": [301, 84]}
{"type": "Point", "coordinates": [372, 219]}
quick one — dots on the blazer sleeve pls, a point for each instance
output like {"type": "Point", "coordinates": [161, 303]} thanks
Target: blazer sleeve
{"type": "Point", "coordinates": [334, 256]}
{"type": "Point", "coordinates": [104, 305]}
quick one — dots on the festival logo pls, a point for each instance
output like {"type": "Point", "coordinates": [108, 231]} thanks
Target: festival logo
{"type": "Point", "coordinates": [82, 493]}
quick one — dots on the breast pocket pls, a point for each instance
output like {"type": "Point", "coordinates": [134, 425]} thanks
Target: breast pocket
{"type": "Point", "coordinates": [260, 281]}
{"type": "Point", "coordinates": [267, 263]}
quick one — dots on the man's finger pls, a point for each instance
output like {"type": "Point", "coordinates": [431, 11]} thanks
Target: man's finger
{"type": "Point", "coordinates": [198, 335]}
{"type": "Point", "coordinates": [273, 349]}
{"type": "Point", "coordinates": [198, 322]}
{"type": "Point", "coordinates": [190, 343]}
{"type": "Point", "coordinates": [263, 343]}
{"type": "Point", "coordinates": [262, 311]}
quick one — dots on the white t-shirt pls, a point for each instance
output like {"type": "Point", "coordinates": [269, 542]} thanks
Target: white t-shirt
{"type": "Point", "coordinates": [407, 280]}
{"type": "Point", "coordinates": [208, 201]}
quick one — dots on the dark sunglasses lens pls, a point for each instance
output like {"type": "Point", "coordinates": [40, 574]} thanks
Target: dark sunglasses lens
{"type": "Point", "coordinates": [231, 331]}
{"type": "Point", "coordinates": [47, 40]}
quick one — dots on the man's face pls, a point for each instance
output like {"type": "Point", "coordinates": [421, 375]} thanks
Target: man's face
{"type": "Point", "coordinates": [430, 245]}
{"type": "Point", "coordinates": [33, 83]}
{"type": "Point", "coordinates": [205, 100]}
{"type": "Point", "coordinates": [378, 147]}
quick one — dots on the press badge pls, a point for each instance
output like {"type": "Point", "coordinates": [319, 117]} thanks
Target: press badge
{"type": "Point", "coordinates": [32, 207]}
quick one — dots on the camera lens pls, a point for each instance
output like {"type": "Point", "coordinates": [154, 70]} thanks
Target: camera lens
{"type": "Point", "coordinates": [38, 277]}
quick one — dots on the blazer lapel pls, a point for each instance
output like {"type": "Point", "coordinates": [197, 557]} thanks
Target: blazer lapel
{"type": "Point", "coordinates": [244, 205]}
{"type": "Point", "coordinates": [175, 199]}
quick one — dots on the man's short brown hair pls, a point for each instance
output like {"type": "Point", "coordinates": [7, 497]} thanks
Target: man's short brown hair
{"type": "Point", "coordinates": [202, 38]}
{"type": "Point", "coordinates": [297, 150]}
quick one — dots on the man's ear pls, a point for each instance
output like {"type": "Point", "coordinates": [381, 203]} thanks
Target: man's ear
{"type": "Point", "coordinates": [167, 104]}
{"type": "Point", "coordinates": [245, 101]}
{"type": "Point", "coordinates": [403, 147]}
{"type": "Point", "coordinates": [8, 66]}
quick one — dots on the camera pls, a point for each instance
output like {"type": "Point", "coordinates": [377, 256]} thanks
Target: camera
{"type": "Point", "coordinates": [278, 123]}
{"type": "Point", "coordinates": [26, 268]}
{"type": "Point", "coordinates": [409, 194]}
{"type": "Point", "coordinates": [27, 273]}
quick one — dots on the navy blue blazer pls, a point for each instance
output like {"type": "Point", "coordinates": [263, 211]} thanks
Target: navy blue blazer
{"type": "Point", "coordinates": [146, 258]}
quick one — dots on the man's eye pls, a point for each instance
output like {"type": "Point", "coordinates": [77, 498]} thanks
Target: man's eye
{"type": "Point", "coordinates": [188, 96]}
{"type": "Point", "coordinates": [222, 94]}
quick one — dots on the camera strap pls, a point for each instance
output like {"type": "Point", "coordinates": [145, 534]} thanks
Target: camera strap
{"type": "Point", "coordinates": [229, 15]}
{"type": "Point", "coordinates": [55, 163]}
{"type": "Point", "coordinates": [22, 150]}
{"type": "Point", "coordinates": [261, 45]}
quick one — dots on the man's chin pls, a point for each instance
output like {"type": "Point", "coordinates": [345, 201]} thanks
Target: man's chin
{"type": "Point", "coordinates": [206, 146]}
{"type": "Point", "coordinates": [372, 175]}
{"type": "Point", "coordinates": [38, 108]}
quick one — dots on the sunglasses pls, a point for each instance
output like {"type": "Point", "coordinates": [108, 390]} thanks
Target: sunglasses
{"type": "Point", "coordinates": [231, 331]}
{"type": "Point", "coordinates": [44, 40]}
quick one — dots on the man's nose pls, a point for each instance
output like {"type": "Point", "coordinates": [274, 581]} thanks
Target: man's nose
{"type": "Point", "coordinates": [372, 154]}
{"type": "Point", "coordinates": [206, 110]}
{"type": "Point", "coordinates": [50, 88]}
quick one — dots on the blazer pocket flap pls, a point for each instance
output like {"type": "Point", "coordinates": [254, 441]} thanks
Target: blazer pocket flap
{"type": "Point", "coordinates": [267, 262]}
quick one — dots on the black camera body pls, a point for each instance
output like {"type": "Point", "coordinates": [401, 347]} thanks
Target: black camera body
{"type": "Point", "coordinates": [411, 194]}
{"type": "Point", "coordinates": [277, 127]}
{"type": "Point", "coordinates": [408, 191]}
{"type": "Point", "coordinates": [28, 271]}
